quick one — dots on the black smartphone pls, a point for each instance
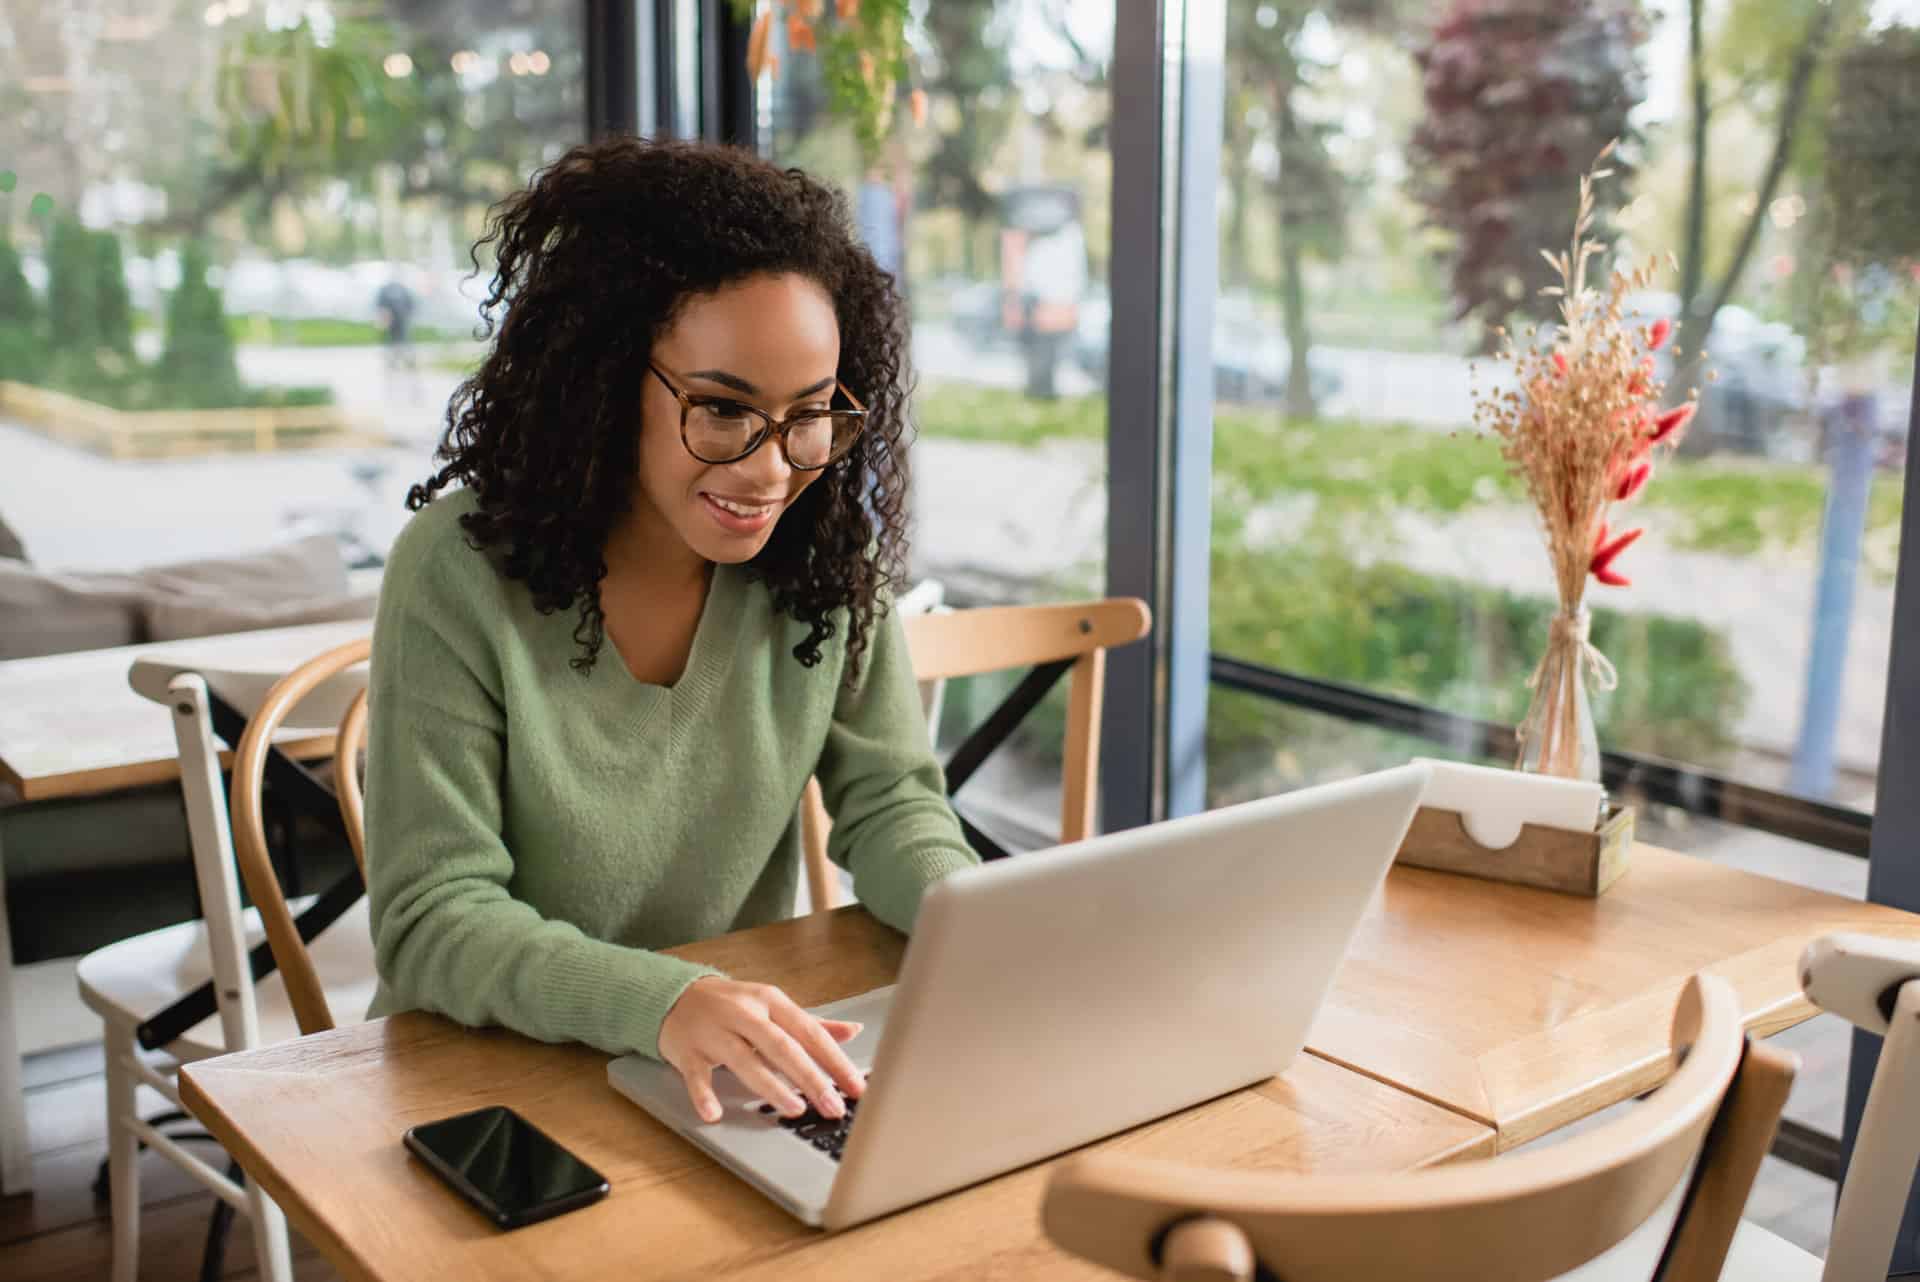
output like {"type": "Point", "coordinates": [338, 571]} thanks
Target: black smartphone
{"type": "Point", "coordinates": [505, 1165]}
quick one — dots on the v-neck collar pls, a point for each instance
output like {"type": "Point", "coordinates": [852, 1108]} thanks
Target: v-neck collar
{"type": "Point", "coordinates": [708, 658]}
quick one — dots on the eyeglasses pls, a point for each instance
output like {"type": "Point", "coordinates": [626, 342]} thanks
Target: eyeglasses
{"type": "Point", "coordinates": [720, 429]}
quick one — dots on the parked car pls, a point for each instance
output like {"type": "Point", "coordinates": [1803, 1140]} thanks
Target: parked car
{"type": "Point", "coordinates": [1755, 403]}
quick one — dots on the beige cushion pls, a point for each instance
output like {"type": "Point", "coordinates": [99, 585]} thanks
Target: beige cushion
{"type": "Point", "coordinates": [42, 613]}
{"type": "Point", "coordinates": [302, 569]}
{"type": "Point", "coordinates": [302, 581]}
{"type": "Point", "coordinates": [10, 546]}
{"type": "Point", "coordinates": [177, 618]}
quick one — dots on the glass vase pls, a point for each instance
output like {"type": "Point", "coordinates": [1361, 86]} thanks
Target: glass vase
{"type": "Point", "coordinates": [1557, 737]}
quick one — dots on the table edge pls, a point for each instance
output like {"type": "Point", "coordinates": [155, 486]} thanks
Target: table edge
{"type": "Point", "coordinates": [242, 1150]}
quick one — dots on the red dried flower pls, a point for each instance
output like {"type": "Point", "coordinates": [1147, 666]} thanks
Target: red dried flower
{"type": "Point", "coordinates": [1667, 426]}
{"type": "Point", "coordinates": [800, 33]}
{"type": "Point", "coordinates": [1601, 565]}
{"type": "Point", "coordinates": [1657, 335]}
{"type": "Point", "coordinates": [1633, 480]}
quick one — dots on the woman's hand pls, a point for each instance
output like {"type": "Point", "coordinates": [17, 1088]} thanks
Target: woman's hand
{"type": "Point", "coordinates": [771, 1044]}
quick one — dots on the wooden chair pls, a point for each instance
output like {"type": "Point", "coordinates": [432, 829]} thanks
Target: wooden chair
{"type": "Point", "coordinates": [348, 744]}
{"type": "Point", "coordinates": [1874, 983]}
{"type": "Point", "coordinates": [130, 983]}
{"type": "Point", "coordinates": [1072, 638]}
{"type": "Point", "coordinates": [305, 987]}
{"type": "Point", "coordinates": [1594, 1207]}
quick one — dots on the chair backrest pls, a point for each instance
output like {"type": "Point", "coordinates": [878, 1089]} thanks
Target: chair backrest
{"type": "Point", "coordinates": [1874, 982]}
{"type": "Point", "coordinates": [1525, 1216]}
{"type": "Point", "coordinates": [304, 991]}
{"type": "Point", "coordinates": [945, 645]}
{"type": "Point", "coordinates": [348, 744]}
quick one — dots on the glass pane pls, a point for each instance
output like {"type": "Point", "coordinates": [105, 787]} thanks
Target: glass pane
{"type": "Point", "coordinates": [993, 216]}
{"type": "Point", "coordinates": [1387, 190]}
{"type": "Point", "coordinates": [235, 291]}
{"type": "Point", "coordinates": [1390, 176]}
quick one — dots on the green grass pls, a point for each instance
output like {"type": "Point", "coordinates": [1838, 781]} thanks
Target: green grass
{"type": "Point", "coordinates": [321, 332]}
{"type": "Point", "coordinates": [966, 412]}
{"type": "Point", "coordinates": [1736, 506]}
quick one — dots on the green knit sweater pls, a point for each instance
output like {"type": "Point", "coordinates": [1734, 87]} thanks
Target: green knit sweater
{"type": "Point", "coordinates": [533, 833]}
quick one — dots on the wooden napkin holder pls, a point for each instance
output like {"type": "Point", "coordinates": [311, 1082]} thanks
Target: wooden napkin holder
{"type": "Point", "coordinates": [1578, 863]}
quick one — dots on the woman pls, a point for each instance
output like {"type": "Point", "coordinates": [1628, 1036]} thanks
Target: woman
{"type": "Point", "coordinates": [605, 666]}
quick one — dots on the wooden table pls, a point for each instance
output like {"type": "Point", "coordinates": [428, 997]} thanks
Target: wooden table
{"type": "Point", "coordinates": [1470, 1015]}
{"type": "Point", "coordinates": [318, 1123]}
{"type": "Point", "coordinates": [1526, 1009]}
{"type": "Point", "coordinates": [73, 725]}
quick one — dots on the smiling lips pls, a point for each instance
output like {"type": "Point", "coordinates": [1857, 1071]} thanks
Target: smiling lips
{"type": "Point", "coordinates": [741, 515]}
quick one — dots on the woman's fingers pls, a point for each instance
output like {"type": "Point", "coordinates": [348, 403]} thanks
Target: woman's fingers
{"type": "Point", "coordinates": [699, 1080]}
{"type": "Point", "coordinates": [842, 1030]}
{"type": "Point", "coordinates": [785, 1053]}
{"type": "Point", "coordinates": [822, 1047]}
{"type": "Point", "coordinates": [758, 1076]}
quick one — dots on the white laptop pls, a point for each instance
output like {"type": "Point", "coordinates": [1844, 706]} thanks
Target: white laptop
{"type": "Point", "coordinates": [1059, 997]}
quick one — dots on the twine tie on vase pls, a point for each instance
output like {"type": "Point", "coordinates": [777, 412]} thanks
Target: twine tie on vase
{"type": "Point", "coordinates": [1575, 630]}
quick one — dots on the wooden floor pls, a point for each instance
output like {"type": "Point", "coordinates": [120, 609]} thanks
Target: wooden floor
{"type": "Point", "coordinates": [59, 1233]}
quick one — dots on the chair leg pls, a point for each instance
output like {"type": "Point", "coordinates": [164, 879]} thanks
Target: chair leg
{"type": "Point", "coordinates": [102, 1182]}
{"type": "Point", "coordinates": [123, 1152]}
{"type": "Point", "coordinates": [213, 1259]}
{"type": "Point", "coordinates": [270, 1248]}
{"type": "Point", "coordinates": [1873, 1198]}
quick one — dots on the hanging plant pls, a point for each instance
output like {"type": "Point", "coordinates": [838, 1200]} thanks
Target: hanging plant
{"type": "Point", "coordinates": [863, 53]}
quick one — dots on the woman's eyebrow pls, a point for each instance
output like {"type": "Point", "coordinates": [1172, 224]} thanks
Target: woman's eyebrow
{"type": "Point", "coordinates": [739, 384]}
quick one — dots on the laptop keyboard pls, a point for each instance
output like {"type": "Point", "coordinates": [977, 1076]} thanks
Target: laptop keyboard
{"type": "Point", "coordinates": [828, 1134]}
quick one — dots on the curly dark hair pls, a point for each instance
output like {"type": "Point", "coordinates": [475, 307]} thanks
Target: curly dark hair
{"type": "Point", "coordinates": [594, 259]}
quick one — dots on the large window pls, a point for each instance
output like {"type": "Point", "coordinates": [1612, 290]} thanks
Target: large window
{"type": "Point", "coordinates": [1387, 189]}
{"type": "Point", "coordinates": [1385, 196]}
{"type": "Point", "coordinates": [994, 217]}
{"type": "Point", "coordinates": [233, 257]}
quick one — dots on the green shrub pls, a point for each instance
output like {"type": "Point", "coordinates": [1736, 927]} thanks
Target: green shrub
{"type": "Point", "coordinates": [23, 353]}
{"type": "Point", "coordinates": [1466, 648]}
{"type": "Point", "coordinates": [73, 304]}
{"type": "Point", "coordinates": [113, 304]}
{"type": "Point", "coordinates": [197, 361]}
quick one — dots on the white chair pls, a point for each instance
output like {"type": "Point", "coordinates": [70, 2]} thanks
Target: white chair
{"type": "Point", "coordinates": [1654, 1195]}
{"type": "Point", "coordinates": [1875, 984]}
{"type": "Point", "coordinates": [128, 982]}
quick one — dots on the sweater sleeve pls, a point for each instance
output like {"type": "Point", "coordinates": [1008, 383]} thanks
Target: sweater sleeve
{"type": "Point", "coordinates": [892, 825]}
{"type": "Point", "coordinates": [449, 935]}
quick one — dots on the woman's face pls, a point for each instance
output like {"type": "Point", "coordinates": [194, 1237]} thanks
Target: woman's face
{"type": "Point", "coordinates": [771, 342]}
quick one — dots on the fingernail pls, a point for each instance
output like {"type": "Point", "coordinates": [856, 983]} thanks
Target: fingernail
{"type": "Point", "coordinates": [833, 1107]}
